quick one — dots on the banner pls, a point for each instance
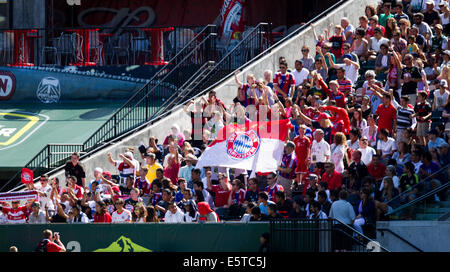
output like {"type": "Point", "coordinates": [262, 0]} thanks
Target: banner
{"type": "Point", "coordinates": [27, 176]}
{"type": "Point", "coordinates": [232, 19]}
{"type": "Point", "coordinates": [14, 196]}
{"type": "Point", "coordinates": [254, 146]}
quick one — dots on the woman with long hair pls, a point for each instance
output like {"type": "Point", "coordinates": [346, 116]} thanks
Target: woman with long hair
{"type": "Point", "coordinates": [366, 109]}
{"type": "Point", "coordinates": [152, 216]}
{"type": "Point", "coordinates": [445, 17]}
{"type": "Point", "coordinates": [404, 25]}
{"type": "Point", "coordinates": [371, 131]}
{"type": "Point", "coordinates": [370, 11]}
{"type": "Point", "coordinates": [139, 214]}
{"type": "Point", "coordinates": [403, 154]}
{"type": "Point", "coordinates": [339, 151]}
{"type": "Point", "coordinates": [390, 28]}
{"type": "Point", "coordinates": [167, 184]}
{"type": "Point", "coordinates": [388, 193]}
{"type": "Point", "coordinates": [358, 121]}
{"type": "Point", "coordinates": [101, 213]}
{"type": "Point", "coordinates": [360, 45]}
{"type": "Point", "coordinates": [191, 214]}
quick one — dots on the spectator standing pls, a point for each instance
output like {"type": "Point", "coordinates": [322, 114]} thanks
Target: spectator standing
{"type": "Point", "coordinates": [423, 113]}
{"type": "Point", "coordinates": [37, 216]}
{"type": "Point", "coordinates": [75, 168]}
{"type": "Point", "coordinates": [198, 121]}
{"type": "Point", "coordinates": [286, 171]}
{"type": "Point", "coordinates": [173, 163]}
{"type": "Point", "coordinates": [320, 149]}
{"type": "Point", "coordinates": [387, 114]}
{"type": "Point", "coordinates": [404, 120]}
{"type": "Point", "coordinates": [307, 60]}
{"type": "Point", "coordinates": [339, 151]}
{"type": "Point", "coordinates": [302, 151]}
{"type": "Point", "coordinates": [284, 82]}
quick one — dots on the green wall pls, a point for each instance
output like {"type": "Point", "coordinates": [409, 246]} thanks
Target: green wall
{"type": "Point", "coordinates": [188, 237]}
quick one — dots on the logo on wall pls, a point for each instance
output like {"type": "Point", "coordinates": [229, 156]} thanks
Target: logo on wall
{"type": "Point", "coordinates": [7, 85]}
{"type": "Point", "coordinates": [123, 17]}
{"type": "Point", "coordinates": [123, 244]}
{"type": "Point", "coordinates": [49, 90]}
{"type": "Point", "coordinates": [243, 145]}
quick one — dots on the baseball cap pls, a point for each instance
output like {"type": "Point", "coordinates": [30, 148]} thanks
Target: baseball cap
{"type": "Point", "coordinates": [191, 157]}
{"type": "Point", "coordinates": [36, 204]}
{"type": "Point", "coordinates": [443, 3]}
{"type": "Point", "coordinates": [443, 83]}
{"type": "Point", "coordinates": [323, 116]}
{"type": "Point", "coordinates": [98, 169]}
{"type": "Point", "coordinates": [347, 56]}
{"type": "Point", "coordinates": [429, 2]}
{"type": "Point", "coordinates": [446, 52]}
{"type": "Point", "coordinates": [107, 174]}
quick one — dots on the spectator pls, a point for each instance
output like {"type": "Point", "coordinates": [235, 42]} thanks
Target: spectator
{"type": "Point", "coordinates": [316, 213]}
{"type": "Point", "coordinates": [37, 216]}
{"type": "Point", "coordinates": [286, 170]}
{"type": "Point", "coordinates": [75, 168]}
{"type": "Point", "coordinates": [388, 194]}
{"type": "Point", "coordinates": [284, 205]}
{"type": "Point", "coordinates": [172, 163]}
{"type": "Point", "coordinates": [121, 215]}
{"type": "Point", "coordinates": [404, 27]}
{"type": "Point", "coordinates": [347, 73]}
{"type": "Point", "coordinates": [408, 180]}
{"type": "Point", "coordinates": [198, 121]}
{"type": "Point", "coordinates": [430, 15]}
{"type": "Point", "coordinates": [272, 212]}
{"type": "Point", "coordinates": [284, 82]}
{"type": "Point", "coordinates": [391, 172]}
{"type": "Point", "coordinates": [428, 167]}
{"type": "Point", "coordinates": [186, 171]}
{"type": "Point", "coordinates": [445, 16]}
{"type": "Point", "coordinates": [221, 191]}
{"type": "Point", "coordinates": [307, 60]}
{"type": "Point", "coordinates": [257, 215]}
{"type": "Point", "coordinates": [397, 42]}
{"type": "Point", "coordinates": [263, 202]}
{"type": "Point", "coordinates": [424, 28]}
{"type": "Point", "coordinates": [143, 184]}
{"type": "Point", "coordinates": [152, 215]}
{"type": "Point", "coordinates": [386, 145]}
{"type": "Point", "coordinates": [366, 151]}
{"type": "Point", "coordinates": [173, 214]}
{"type": "Point", "coordinates": [320, 149]}
{"type": "Point", "coordinates": [139, 214]}
{"type": "Point", "coordinates": [399, 14]}
{"type": "Point", "coordinates": [133, 200]}
{"type": "Point", "coordinates": [358, 122]}
{"type": "Point", "coordinates": [300, 74]}
{"type": "Point", "coordinates": [325, 204]}
{"type": "Point", "coordinates": [77, 216]}
{"type": "Point", "coordinates": [364, 23]}
{"type": "Point", "coordinates": [376, 168]}
{"type": "Point", "coordinates": [101, 213]}
{"type": "Point", "coordinates": [339, 151]}
{"type": "Point", "coordinates": [360, 45]}
{"type": "Point", "coordinates": [434, 141]}
{"type": "Point", "coordinates": [358, 166]}
{"type": "Point", "coordinates": [44, 191]}
{"type": "Point", "coordinates": [272, 186]}
{"type": "Point", "coordinates": [248, 212]}
{"type": "Point", "coordinates": [423, 113]}
{"type": "Point", "coordinates": [348, 29]}
{"type": "Point", "coordinates": [402, 155]}
{"type": "Point", "coordinates": [126, 166]}
{"type": "Point", "coordinates": [440, 98]}
{"type": "Point", "coordinates": [332, 177]}
{"type": "Point", "coordinates": [126, 189]}
{"type": "Point", "coordinates": [206, 213]}
{"type": "Point", "coordinates": [374, 27]}
{"type": "Point", "coordinates": [251, 195]}
{"type": "Point", "coordinates": [365, 211]}
{"type": "Point", "coordinates": [337, 40]}
{"type": "Point", "coordinates": [151, 163]}
{"type": "Point", "coordinates": [353, 142]}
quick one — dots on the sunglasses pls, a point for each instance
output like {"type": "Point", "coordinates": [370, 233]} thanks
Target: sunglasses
{"type": "Point", "coordinates": [282, 67]}
{"type": "Point", "coordinates": [304, 50]}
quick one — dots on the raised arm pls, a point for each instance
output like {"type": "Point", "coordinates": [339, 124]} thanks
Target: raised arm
{"type": "Point", "coordinates": [238, 82]}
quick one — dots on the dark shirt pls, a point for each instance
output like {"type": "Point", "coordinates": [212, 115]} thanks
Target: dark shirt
{"type": "Point", "coordinates": [411, 86]}
{"type": "Point", "coordinates": [361, 170]}
{"type": "Point", "coordinates": [251, 196]}
{"type": "Point", "coordinates": [77, 171]}
{"type": "Point", "coordinates": [429, 18]}
{"type": "Point", "coordinates": [325, 207]}
{"type": "Point", "coordinates": [285, 209]}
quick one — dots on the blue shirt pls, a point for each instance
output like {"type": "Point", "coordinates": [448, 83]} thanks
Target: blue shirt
{"type": "Point", "coordinates": [264, 208]}
{"type": "Point", "coordinates": [435, 144]}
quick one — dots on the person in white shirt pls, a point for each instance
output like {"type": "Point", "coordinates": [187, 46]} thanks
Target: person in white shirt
{"type": "Point", "coordinates": [440, 96]}
{"type": "Point", "coordinates": [351, 67]}
{"type": "Point", "coordinates": [386, 145]}
{"type": "Point", "coordinates": [353, 142]}
{"type": "Point", "coordinates": [215, 124]}
{"type": "Point", "coordinates": [320, 149]}
{"type": "Point", "coordinates": [366, 151]}
{"type": "Point", "coordinates": [300, 74]}
{"type": "Point", "coordinates": [121, 215]}
{"type": "Point", "coordinates": [174, 214]}
{"type": "Point", "coordinates": [44, 191]}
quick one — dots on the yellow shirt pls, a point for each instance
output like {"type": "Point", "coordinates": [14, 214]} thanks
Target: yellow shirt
{"type": "Point", "coordinates": [151, 175]}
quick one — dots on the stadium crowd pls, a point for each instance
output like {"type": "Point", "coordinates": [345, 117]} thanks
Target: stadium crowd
{"type": "Point", "coordinates": [369, 109]}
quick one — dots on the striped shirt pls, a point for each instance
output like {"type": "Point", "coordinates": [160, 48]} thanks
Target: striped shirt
{"type": "Point", "coordinates": [288, 161]}
{"type": "Point", "coordinates": [403, 120]}
{"type": "Point", "coordinates": [345, 85]}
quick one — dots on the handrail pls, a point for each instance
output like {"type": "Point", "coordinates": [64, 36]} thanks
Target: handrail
{"type": "Point", "coordinates": [428, 194]}
{"type": "Point", "coordinates": [432, 176]}
{"type": "Point", "coordinates": [399, 237]}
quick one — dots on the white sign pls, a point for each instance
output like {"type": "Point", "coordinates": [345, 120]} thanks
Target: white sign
{"type": "Point", "coordinates": [49, 90]}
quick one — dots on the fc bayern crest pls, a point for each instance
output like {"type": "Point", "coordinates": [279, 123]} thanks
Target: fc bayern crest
{"type": "Point", "coordinates": [26, 177]}
{"type": "Point", "coordinates": [243, 145]}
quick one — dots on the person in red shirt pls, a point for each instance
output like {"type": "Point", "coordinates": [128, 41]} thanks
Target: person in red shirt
{"type": "Point", "coordinates": [221, 191]}
{"type": "Point", "coordinates": [386, 114]}
{"type": "Point", "coordinates": [334, 93]}
{"type": "Point", "coordinates": [332, 177]}
{"type": "Point", "coordinates": [376, 169]}
{"type": "Point", "coordinates": [284, 82]}
{"type": "Point", "coordinates": [52, 242]}
{"type": "Point", "coordinates": [340, 115]}
{"type": "Point", "coordinates": [101, 214]}
{"type": "Point", "coordinates": [73, 189]}
{"type": "Point", "coordinates": [16, 214]}
{"type": "Point", "coordinates": [302, 152]}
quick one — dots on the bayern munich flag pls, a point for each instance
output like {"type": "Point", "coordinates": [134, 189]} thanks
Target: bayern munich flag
{"type": "Point", "coordinates": [256, 146]}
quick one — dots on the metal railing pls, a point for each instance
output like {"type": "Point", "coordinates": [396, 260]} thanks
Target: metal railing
{"type": "Point", "coordinates": [93, 46]}
{"type": "Point", "coordinates": [318, 235]}
{"type": "Point", "coordinates": [382, 230]}
{"type": "Point", "coordinates": [421, 187]}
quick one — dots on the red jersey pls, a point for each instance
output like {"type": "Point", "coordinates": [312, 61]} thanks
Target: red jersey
{"type": "Point", "coordinates": [302, 147]}
{"type": "Point", "coordinates": [143, 185]}
{"type": "Point", "coordinates": [386, 116]}
{"type": "Point", "coordinates": [102, 218]}
{"type": "Point", "coordinates": [221, 198]}
{"type": "Point", "coordinates": [341, 114]}
{"type": "Point", "coordinates": [78, 191]}
{"type": "Point", "coordinates": [334, 181]}
{"type": "Point", "coordinates": [271, 191]}
{"type": "Point", "coordinates": [339, 97]}
{"type": "Point", "coordinates": [284, 81]}
{"type": "Point", "coordinates": [16, 216]}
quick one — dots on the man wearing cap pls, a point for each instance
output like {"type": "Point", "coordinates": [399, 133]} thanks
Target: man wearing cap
{"type": "Point", "coordinates": [438, 42]}
{"type": "Point", "coordinates": [186, 171]}
{"type": "Point", "coordinates": [440, 97]}
{"type": "Point", "coordinates": [286, 170]}
{"type": "Point", "coordinates": [430, 15]}
{"type": "Point", "coordinates": [302, 152]}
{"type": "Point", "coordinates": [37, 216]}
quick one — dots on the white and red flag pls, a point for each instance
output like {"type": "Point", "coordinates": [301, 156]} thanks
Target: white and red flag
{"type": "Point", "coordinates": [256, 146]}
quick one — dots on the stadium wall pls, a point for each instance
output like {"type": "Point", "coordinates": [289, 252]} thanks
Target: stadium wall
{"type": "Point", "coordinates": [226, 91]}
{"type": "Point", "coordinates": [157, 237]}
{"type": "Point", "coordinates": [429, 236]}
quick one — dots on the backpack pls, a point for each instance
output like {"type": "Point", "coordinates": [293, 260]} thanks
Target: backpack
{"type": "Point", "coordinates": [42, 246]}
